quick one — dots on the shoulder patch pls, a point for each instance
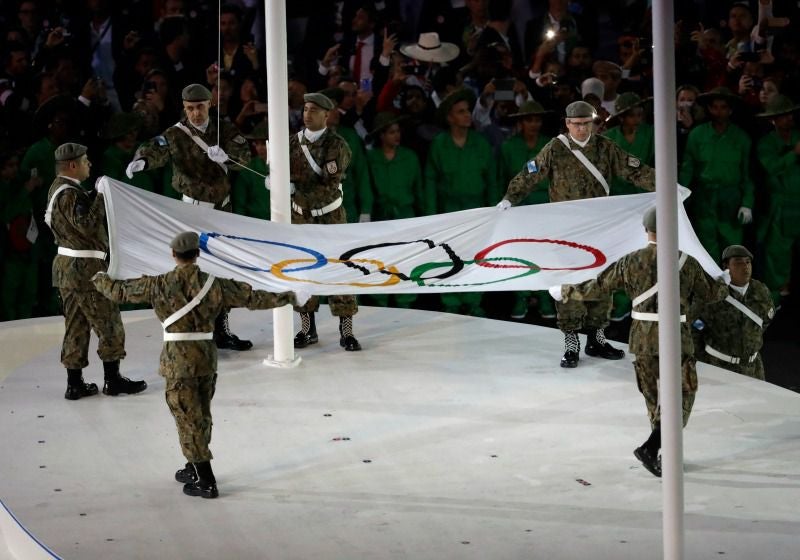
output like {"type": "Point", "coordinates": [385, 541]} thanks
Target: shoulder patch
{"type": "Point", "coordinates": [532, 166]}
{"type": "Point", "coordinates": [161, 141]}
{"type": "Point", "coordinates": [633, 162]}
{"type": "Point", "coordinates": [331, 167]}
{"type": "Point", "coordinates": [239, 139]}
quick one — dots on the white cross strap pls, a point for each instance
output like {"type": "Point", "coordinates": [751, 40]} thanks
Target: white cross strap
{"type": "Point", "coordinates": [200, 142]}
{"type": "Point", "coordinates": [746, 310]}
{"type": "Point", "coordinates": [189, 306]}
{"type": "Point", "coordinates": [317, 169]}
{"type": "Point", "coordinates": [48, 214]}
{"type": "Point", "coordinates": [647, 294]}
{"type": "Point", "coordinates": [586, 163]}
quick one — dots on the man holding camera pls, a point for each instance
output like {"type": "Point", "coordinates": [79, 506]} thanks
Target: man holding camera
{"type": "Point", "coordinates": [199, 153]}
{"type": "Point", "coordinates": [578, 165]}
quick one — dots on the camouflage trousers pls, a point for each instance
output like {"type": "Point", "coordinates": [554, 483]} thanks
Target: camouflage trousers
{"type": "Point", "coordinates": [754, 369]}
{"type": "Point", "coordinates": [84, 312]}
{"type": "Point", "coordinates": [189, 401]}
{"type": "Point", "coordinates": [647, 378]}
{"type": "Point", "coordinates": [574, 315]}
{"type": "Point", "coordinates": [341, 306]}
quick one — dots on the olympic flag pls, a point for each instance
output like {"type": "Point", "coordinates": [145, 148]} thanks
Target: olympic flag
{"type": "Point", "coordinates": [485, 249]}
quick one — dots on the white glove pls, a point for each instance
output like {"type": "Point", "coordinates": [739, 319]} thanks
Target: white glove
{"type": "Point", "coordinates": [555, 292]}
{"type": "Point", "coordinates": [504, 204]}
{"type": "Point", "coordinates": [726, 276]}
{"type": "Point", "coordinates": [301, 296]}
{"type": "Point", "coordinates": [745, 215]}
{"type": "Point", "coordinates": [217, 154]}
{"type": "Point", "coordinates": [267, 182]}
{"type": "Point", "coordinates": [364, 218]}
{"type": "Point", "coordinates": [134, 166]}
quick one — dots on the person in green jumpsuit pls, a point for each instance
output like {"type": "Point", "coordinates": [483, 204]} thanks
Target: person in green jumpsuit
{"type": "Point", "coordinates": [122, 131]}
{"type": "Point", "coordinates": [459, 175]}
{"type": "Point", "coordinates": [250, 196]}
{"type": "Point", "coordinates": [636, 137]}
{"type": "Point", "coordinates": [716, 166]}
{"type": "Point", "coordinates": [399, 190]}
{"type": "Point", "coordinates": [779, 155]}
{"type": "Point", "coordinates": [514, 154]}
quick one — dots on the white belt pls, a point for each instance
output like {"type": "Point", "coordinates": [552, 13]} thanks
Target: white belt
{"type": "Point", "coordinates": [81, 253]}
{"type": "Point", "coordinates": [730, 359]}
{"type": "Point", "coordinates": [191, 200]}
{"type": "Point", "coordinates": [319, 211]}
{"type": "Point", "coordinates": [178, 336]}
{"type": "Point", "coordinates": [650, 316]}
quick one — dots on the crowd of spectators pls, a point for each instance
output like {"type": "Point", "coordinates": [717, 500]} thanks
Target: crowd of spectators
{"type": "Point", "coordinates": [436, 99]}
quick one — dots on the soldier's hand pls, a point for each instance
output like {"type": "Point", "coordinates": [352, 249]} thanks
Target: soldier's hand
{"type": "Point", "coordinates": [555, 292]}
{"type": "Point", "coordinates": [134, 166]}
{"type": "Point", "coordinates": [217, 154]}
{"type": "Point", "coordinates": [503, 205]}
{"type": "Point", "coordinates": [745, 215]}
{"type": "Point", "coordinates": [301, 297]}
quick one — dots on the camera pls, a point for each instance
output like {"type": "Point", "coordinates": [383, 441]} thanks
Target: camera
{"type": "Point", "coordinates": [504, 89]}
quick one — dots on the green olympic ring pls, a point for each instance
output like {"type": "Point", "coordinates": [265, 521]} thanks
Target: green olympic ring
{"type": "Point", "coordinates": [416, 275]}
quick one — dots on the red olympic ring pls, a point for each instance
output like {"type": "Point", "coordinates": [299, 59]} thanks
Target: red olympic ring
{"type": "Point", "coordinates": [599, 257]}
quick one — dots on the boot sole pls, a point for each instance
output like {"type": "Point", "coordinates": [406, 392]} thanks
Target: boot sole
{"type": "Point", "coordinates": [189, 491]}
{"type": "Point", "coordinates": [118, 393]}
{"type": "Point", "coordinates": [653, 470]}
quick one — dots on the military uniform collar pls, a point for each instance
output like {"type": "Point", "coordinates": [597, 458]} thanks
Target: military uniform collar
{"type": "Point", "coordinates": [741, 290]}
{"type": "Point", "coordinates": [201, 129]}
{"type": "Point", "coordinates": [581, 144]}
{"type": "Point", "coordinates": [70, 180]}
{"type": "Point", "coordinates": [313, 136]}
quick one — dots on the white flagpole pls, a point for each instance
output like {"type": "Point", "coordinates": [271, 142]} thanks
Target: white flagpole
{"type": "Point", "coordinates": [278, 157]}
{"type": "Point", "coordinates": [669, 339]}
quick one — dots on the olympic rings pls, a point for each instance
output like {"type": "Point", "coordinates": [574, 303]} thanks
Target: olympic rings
{"type": "Point", "coordinates": [278, 271]}
{"type": "Point", "coordinates": [319, 259]}
{"type": "Point", "coordinates": [599, 257]}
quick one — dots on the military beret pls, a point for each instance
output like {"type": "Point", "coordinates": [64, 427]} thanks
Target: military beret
{"type": "Point", "coordinates": [579, 110]}
{"type": "Point", "coordinates": [70, 151]}
{"type": "Point", "coordinates": [736, 251]}
{"type": "Point", "coordinates": [649, 220]}
{"type": "Point", "coordinates": [319, 99]}
{"type": "Point", "coordinates": [185, 242]}
{"type": "Point", "coordinates": [196, 92]}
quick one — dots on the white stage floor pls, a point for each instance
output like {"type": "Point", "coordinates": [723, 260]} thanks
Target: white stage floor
{"type": "Point", "coordinates": [466, 441]}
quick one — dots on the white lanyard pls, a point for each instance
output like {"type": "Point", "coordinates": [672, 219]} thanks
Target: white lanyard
{"type": "Point", "coordinates": [586, 163]}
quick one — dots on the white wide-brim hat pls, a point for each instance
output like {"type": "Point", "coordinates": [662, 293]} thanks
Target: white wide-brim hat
{"type": "Point", "coordinates": [430, 49]}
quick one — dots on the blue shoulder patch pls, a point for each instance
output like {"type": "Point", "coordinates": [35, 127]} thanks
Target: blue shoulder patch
{"type": "Point", "coordinates": [532, 167]}
{"type": "Point", "coordinates": [160, 141]}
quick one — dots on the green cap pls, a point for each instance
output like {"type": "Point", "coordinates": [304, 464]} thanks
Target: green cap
{"type": "Point", "coordinates": [649, 220]}
{"type": "Point", "coordinates": [383, 121]}
{"type": "Point", "coordinates": [335, 94]}
{"type": "Point", "coordinates": [185, 242]}
{"type": "Point", "coordinates": [580, 110]}
{"type": "Point", "coordinates": [121, 124]}
{"type": "Point", "coordinates": [447, 103]}
{"type": "Point", "coordinates": [196, 92]}
{"type": "Point", "coordinates": [529, 108]}
{"type": "Point", "coordinates": [736, 251]}
{"type": "Point", "coordinates": [719, 93]}
{"type": "Point", "coordinates": [779, 105]}
{"type": "Point", "coordinates": [70, 151]}
{"type": "Point", "coordinates": [319, 99]}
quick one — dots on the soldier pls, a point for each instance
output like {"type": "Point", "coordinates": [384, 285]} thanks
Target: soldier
{"type": "Point", "coordinates": [200, 172]}
{"type": "Point", "coordinates": [731, 332]}
{"type": "Point", "coordinates": [78, 224]}
{"type": "Point", "coordinates": [318, 158]}
{"type": "Point", "coordinates": [580, 166]}
{"type": "Point", "coordinates": [636, 273]}
{"type": "Point", "coordinates": [187, 301]}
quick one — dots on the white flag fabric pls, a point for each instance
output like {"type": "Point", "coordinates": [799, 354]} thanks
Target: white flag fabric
{"type": "Point", "coordinates": [485, 249]}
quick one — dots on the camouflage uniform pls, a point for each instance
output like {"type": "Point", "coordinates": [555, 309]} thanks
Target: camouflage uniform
{"type": "Point", "coordinates": [190, 366]}
{"type": "Point", "coordinates": [314, 191]}
{"type": "Point", "coordinates": [570, 180]}
{"type": "Point", "coordinates": [194, 174]}
{"type": "Point", "coordinates": [636, 273]}
{"type": "Point", "coordinates": [728, 330]}
{"type": "Point", "coordinates": [78, 223]}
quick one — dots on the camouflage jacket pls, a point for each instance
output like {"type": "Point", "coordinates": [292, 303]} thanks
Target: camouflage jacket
{"type": "Point", "coordinates": [332, 155]}
{"type": "Point", "coordinates": [193, 173]}
{"type": "Point", "coordinates": [635, 273]}
{"type": "Point", "coordinates": [169, 292]}
{"type": "Point", "coordinates": [730, 331]}
{"type": "Point", "coordinates": [569, 178]}
{"type": "Point", "coordinates": [78, 221]}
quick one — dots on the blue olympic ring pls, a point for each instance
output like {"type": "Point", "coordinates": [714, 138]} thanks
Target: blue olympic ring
{"type": "Point", "coordinates": [320, 259]}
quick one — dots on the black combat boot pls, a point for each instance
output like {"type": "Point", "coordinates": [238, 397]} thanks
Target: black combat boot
{"type": "Point", "coordinates": [224, 338]}
{"type": "Point", "coordinates": [308, 331]}
{"type": "Point", "coordinates": [206, 485]}
{"type": "Point", "coordinates": [572, 350]}
{"type": "Point", "coordinates": [347, 340]}
{"type": "Point", "coordinates": [116, 384]}
{"type": "Point", "coordinates": [598, 346]}
{"type": "Point", "coordinates": [648, 452]}
{"type": "Point", "coordinates": [187, 474]}
{"type": "Point", "coordinates": [76, 388]}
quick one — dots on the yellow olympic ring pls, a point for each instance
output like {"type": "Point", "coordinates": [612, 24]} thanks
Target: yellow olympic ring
{"type": "Point", "coordinates": [277, 270]}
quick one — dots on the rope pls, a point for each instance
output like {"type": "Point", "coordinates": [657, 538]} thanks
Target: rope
{"type": "Point", "coordinates": [240, 164]}
{"type": "Point", "coordinates": [220, 55]}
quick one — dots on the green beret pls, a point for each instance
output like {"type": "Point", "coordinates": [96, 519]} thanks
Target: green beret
{"type": "Point", "coordinates": [649, 220]}
{"type": "Point", "coordinates": [736, 251]}
{"type": "Point", "coordinates": [70, 151]}
{"type": "Point", "coordinates": [196, 92]}
{"type": "Point", "coordinates": [185, 242]}
{"type": "Point", "coordinates": [319, 99]}
{"type": "Point", "coordinates": [580, 110]}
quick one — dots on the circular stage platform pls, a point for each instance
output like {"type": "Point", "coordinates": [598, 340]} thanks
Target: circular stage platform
{"type": "Point", "coordinates": [447, 437]}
